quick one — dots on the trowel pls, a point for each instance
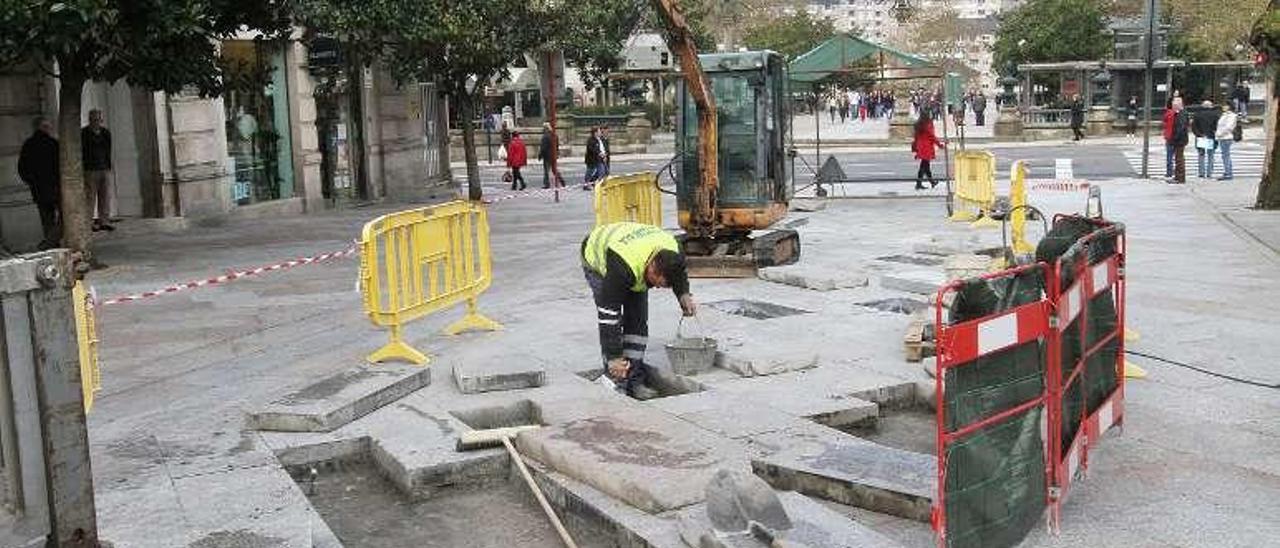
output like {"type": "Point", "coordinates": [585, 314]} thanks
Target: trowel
{"type": "Point", "coordinates": [743, 511]}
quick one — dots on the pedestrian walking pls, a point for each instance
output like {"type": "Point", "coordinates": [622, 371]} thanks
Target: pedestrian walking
{"type": "Point", "coordinates": [1204, 125]}
{"type": "Point", "coordinates": [95, 149]}
{"type": "Point", "coordinates": [517, 157]}
{"type": "Point", "coordinates": [546, 153]}
{"type": "Point", "coordinates": [594, 159]}
{"type": "Point", "coordinates": [1077, 117]}
{"type": "Point", "coordinates": [844, 109]}
{"type": "Point", "coordinates": [831, 109]}
{"type": "Point", "coordinates": [924, 145]}
{"type": "Point", "coordinates": [38, 167]}
{"type": "Point", "coordinates": [980, 109]}
{"type": "Point", "coordinates": [1227, 134]}
{"type": "Point", "coordinates": [1178, 138]}
{"type": "Point", "coordinates": [1131, 113]}
{"type": "Point", "coordinates": [1240, 96]}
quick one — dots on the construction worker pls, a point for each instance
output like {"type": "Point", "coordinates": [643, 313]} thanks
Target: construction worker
{"type": "Point", "coordinates": [621, 262]}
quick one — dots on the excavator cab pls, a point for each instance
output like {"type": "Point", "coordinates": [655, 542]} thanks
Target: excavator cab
{"type": "Point", "coordinates": [755, 167]}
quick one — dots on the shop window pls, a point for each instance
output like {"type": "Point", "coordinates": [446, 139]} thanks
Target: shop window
{"type": "Point", "coordinates": [257, 121]}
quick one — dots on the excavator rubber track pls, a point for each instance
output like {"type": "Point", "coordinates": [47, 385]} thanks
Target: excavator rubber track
{"type": "Point", "coordinates": [743, 257]}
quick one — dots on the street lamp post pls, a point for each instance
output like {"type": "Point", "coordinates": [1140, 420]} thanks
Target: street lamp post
{"type": "Point", "coordinates": [1146, 89]}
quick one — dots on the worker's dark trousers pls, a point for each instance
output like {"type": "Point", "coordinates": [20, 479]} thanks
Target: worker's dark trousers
{"type": "Point", "coordinates": [635, 332]}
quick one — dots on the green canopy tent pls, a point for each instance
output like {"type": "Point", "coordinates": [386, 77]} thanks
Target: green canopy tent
{"type": "Point", "coordinates": [845, 54]}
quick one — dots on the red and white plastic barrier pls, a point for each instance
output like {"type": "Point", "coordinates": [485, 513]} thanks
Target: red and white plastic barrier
{"type": "Point", "coordinates": [961, 344]}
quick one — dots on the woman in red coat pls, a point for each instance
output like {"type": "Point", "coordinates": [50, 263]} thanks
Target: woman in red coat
{"type": "Point", "coordinates": [517, 157]}
{"type": "Point", "coordinates": [924, 145]}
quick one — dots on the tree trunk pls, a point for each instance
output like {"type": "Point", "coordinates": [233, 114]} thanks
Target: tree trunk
{"type": "Point", "coordinates": [466, 110]}
{"type": "Point", "coordinates": [76, 212]}
{"type": "Point", "coordinates": [1269, 187]}
{"type": "Point", "coordinates": [682, 45]}
{"type": "Point", "coordinates": [355, 128]}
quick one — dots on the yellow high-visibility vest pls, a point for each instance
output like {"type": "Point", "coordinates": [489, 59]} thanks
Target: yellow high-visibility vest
{"type": "Point", "coordinates": [634, 242]}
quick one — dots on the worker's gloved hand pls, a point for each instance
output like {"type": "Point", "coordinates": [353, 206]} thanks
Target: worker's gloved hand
{"type": "Point", "coordinates": [688, 305]}
{"type": "Point", "coordinates": [618, 368]}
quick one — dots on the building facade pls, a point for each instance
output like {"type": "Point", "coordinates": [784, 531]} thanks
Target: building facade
{"type": "Point", "coordinates": [253, 151]}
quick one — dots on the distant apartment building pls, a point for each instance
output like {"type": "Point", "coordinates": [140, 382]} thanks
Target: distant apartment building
{"type": "Point", "coordinates": [878, 21]}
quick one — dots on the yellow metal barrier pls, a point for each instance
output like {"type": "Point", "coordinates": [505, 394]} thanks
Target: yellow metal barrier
{"type": "Point", "coordinates": [633, 198]}
{"type": "Point", "coordinates": [416, 262]}
{"type": "Point", "coordinates": [975, 192]}
{"type": "Point", "coordinates": [1018, 215]}
{"type": "Point", "coordinates": [87, 340]}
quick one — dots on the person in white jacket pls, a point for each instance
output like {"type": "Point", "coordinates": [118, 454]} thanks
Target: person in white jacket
{"type": "Point", "coordinates": [1225, 135]}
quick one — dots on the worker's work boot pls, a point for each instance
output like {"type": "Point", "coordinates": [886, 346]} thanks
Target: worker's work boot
{"type": "Point", "coordinates": [644, 393]}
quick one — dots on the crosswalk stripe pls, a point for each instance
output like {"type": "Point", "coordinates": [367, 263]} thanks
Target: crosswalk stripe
{"type": "Point", "coordinates": [1246, 159]}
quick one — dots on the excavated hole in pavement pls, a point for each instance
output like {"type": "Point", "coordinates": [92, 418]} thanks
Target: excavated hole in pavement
{"type": "Point", "coordinates": [756, 310]}
{"type": "Point", "coordinates": [365, 510]}
{"type": "Point", "coordinates": [896, 305]}
{"type": "Point", "coordinates": [520, 413]}
{"type": "Point", "coordinates": [909, 425]}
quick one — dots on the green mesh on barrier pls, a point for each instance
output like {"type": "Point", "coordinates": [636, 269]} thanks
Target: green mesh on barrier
{"type": "Point", "coordinates": [995, 479]}
{"type": "Point", "coordinates": [1099, 378]}
{"type": "Point", "coordinates": [996, 483]}
{"type": "Point", "coordinates": [1100, 369]}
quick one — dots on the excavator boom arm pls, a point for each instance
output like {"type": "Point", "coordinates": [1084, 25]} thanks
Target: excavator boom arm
{"type": "Point", "coordinates": [680, 41]}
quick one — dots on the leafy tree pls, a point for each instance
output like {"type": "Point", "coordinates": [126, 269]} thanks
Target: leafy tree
{"type": "Point", "coordinates": [457, 45]}
{"type": "Point", "coordinates": [163, 45]}
{"type": "Point", "coordinates": [790, 34]}
{"type": "Point", "coordinates": [1210, 31]}
{"type": "Point", "coordinates": [1052, 30]}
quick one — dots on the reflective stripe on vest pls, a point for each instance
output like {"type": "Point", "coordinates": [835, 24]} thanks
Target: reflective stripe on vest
{"type": "Point", "coordinates": [634, 242]}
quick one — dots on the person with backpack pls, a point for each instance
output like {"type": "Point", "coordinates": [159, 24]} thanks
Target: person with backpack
{"type": "Point", "coordinates": [1204, 124]}
{"type": "Point", "coordinates": [924, 145]}
{"type": "Point", "coordinates": [1228, 133]}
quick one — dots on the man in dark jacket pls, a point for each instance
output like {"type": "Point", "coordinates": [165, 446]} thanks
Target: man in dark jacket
{"type": "Point", "coordinates": [95, 148]}
{"type": "Point", "coordinates": [38, 167]}
{"type": "Point", "coordinates": [1077, 117]}
{"type": "Point", "coordinates": [1178, 141]}
{"type": "Point", "coordinates": [546, 153]}
{"type": "Point", "coordinates": [1204, 125]}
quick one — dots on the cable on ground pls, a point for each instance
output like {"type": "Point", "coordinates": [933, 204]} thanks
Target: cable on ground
{"type": "Point", "coordinates": [1250, 382]}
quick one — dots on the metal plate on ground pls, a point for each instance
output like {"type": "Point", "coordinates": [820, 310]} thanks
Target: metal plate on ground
{"type": "Point", "coordinates": [757, 310]}
{"type": "Point", "coordinates": [912, 259]}
{"type": "Point", "coordinates": [896, 305]}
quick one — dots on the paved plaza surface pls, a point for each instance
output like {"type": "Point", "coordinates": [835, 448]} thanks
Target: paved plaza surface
{"type": "Point", "coordinates": [1197, 462]}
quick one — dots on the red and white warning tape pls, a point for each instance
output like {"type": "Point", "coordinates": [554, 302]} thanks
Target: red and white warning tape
{"type": "Point", "coordinates": [1062, 186]}
{"type": "Point", "coordinates": [234, 275]}
{"type": "Point", "coordinates": [526, 194]}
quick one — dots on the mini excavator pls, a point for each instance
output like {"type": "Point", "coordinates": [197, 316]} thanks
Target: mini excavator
{"type": "Point", "coordinates": [735, 174]}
